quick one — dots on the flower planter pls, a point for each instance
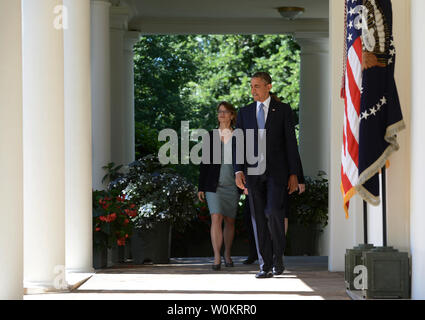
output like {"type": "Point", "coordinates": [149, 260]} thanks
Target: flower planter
{"type": "Point", "coordinates": [100, 258]}
{"type": "Point", "coordinates": [152, 245]}
{"type": "Point", "coordinates": [302, 240]}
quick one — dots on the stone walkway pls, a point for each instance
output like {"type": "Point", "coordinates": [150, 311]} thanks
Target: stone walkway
{"type": "Point", "coordinates": [305, 278]}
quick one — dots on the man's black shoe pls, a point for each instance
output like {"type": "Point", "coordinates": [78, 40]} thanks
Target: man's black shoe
{"type": "Point", "coordinates": [264, 274]}
{"type": "Point", "coordinates": [278, 270]}
{"type": "Point", "coordinates": [249, 260]}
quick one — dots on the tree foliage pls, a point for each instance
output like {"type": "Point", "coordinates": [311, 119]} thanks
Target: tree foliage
{"type": "Point", "coordinates": [185, 77]}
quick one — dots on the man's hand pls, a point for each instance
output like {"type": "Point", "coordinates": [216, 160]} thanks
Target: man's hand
{"type": "Point", "coordinates": [240, 180]}
{"type": "Point", "coordinates": [370, 60]}
{"type": "Point", "coordinates": [292, 183]}
{"type": "Point", "coordinates": [301, 188]}
{"type": "Point", "coordinates": [201, 196]}
{"type": "Point", "coordinates": [245, 191]}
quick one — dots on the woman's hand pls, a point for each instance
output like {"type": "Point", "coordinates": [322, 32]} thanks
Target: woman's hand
{"type": "Point", "coordinates": [301, 188]}
{"type": "Point", "coordinates": [240, 180]}
{"type": "Point", "coordinates": [201, 196]}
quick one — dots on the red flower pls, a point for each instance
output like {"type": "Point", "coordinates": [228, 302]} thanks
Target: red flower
{"type": "Point", "coordinates": [105, 205]}
{"type": "Point", "coordinates": [97, 229]}
{"type": "Point", "coordinates": [131, 213]}
{"type": "Point", "coordinates": [120, 198]}
{"type": "Point", "coordinates": [121, 241]}
{"type": "Point", "coordinates": [126, 221]}
{"type": "Point", "coordinates": [132, 206]}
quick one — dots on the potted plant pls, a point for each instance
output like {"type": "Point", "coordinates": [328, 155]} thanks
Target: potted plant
{"type": "Point", "coordinates": [195, 241]}
{"type": "Point", "coordinates": [308, 216]}
{"type": "Point", "coordinates": [164, 199]}
{"type": "Point", "coordinates": [112, 223]}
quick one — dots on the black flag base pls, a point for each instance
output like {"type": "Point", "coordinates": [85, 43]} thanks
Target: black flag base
{"type": "Point", "coordinates": [382, 273]}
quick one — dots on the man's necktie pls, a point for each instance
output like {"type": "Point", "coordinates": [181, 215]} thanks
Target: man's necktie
{"type": "Point", "coordinates": [260, 117]}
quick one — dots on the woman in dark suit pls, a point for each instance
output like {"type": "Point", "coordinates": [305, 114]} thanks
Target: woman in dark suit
{"type": "Point", "coordinates": [217, 186]}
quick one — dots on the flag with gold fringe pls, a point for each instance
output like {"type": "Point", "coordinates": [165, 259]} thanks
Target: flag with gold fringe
{"type": "Point", "coordinates": [372, 115]}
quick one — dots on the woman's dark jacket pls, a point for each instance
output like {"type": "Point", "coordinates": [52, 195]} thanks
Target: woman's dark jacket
{"type": "Point", "coordinates": [209, 174]}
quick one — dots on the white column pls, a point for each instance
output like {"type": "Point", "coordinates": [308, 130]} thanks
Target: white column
{"type": "Point", "coordinates": [44, 149]}
{"type": "Point", "coordinates": [11, 152]}
{"type": "Point", "coordinates": [417, 217]}
{"type": "Point", "coordinates": [314, 105]}
{"type": "Point", "coordinates": [131, 38]}
{"type": "Point", "coordinates": [315, 112]}
{"type": "Point", "coordinates": [342, 232]}
{"type": "Point", "coordinates": [78, 160]}
{"type": "Point", "coordinates": [101, 90]}
{"type": "Point", "coordinates": [118, 20]}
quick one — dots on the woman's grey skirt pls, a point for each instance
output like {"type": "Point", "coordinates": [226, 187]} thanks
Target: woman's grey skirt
{"type": "Point", "coordinates": [224, 201]}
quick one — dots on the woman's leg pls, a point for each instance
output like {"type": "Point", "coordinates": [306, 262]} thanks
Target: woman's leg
{"type": "Point", "coordinates": [216, 235]}
{"type": "Point", "coordinates": [286, 225]}
{"type": "Point", "coordinates": [229, 233]}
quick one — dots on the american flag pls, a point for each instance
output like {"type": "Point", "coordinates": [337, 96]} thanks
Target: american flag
{"type": "Point", "coordinates": [351, 92]}
{"type": "Point", "coordinates": [372, 116]}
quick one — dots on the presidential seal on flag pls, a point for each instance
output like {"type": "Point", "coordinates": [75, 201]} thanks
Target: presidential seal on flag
{"type": "Point", "coordinates": [372, 115]}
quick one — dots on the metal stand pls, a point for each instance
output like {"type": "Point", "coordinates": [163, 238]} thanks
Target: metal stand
{"type": "Point", "coordinates": [384, 211]}
{"type": "Point", "coordinates": [365, 222]}
{"type": "Point", "coordinates": [384, 208]}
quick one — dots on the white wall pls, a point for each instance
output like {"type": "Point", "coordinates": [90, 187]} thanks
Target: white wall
{"type": "Point", "coordinates": [344, 233]}
{"type": "Point", "coordinates": [417, 172]}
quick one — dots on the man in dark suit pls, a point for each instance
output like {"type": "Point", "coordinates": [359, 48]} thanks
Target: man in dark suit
{"type": "Point", "coordinates": [268, 190]}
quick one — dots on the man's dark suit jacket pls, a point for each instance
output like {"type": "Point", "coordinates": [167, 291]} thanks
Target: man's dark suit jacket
{"type": "Point", "coordinates": [282, 150]}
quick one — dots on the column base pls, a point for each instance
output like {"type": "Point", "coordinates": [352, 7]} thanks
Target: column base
{"type": "Point", "coordinates": [43, 287]}
{"type": "Point", "coordinates": [75, 278]}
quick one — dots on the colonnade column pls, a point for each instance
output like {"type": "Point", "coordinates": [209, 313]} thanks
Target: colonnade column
{"type": "Point", "coordinates": [314, 105]}
{"type": "Point", "coordinates": [130, 39]}
{"type": "Point", "coordinates": [78, 134]}
{"type": "Point", "coordinates": [122, 87]}
{"type": "Point", "coordinates": [118, 27]}
{"type": "Point", "coordinates": [44, 145]}
{"type": "Point", "coordinates": [101, 90]}
{"type": "Point", "coordinates": [11, 151]}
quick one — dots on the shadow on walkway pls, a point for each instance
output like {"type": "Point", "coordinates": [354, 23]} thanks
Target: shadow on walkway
{"type": "Point", "coordinates": [193, 278]}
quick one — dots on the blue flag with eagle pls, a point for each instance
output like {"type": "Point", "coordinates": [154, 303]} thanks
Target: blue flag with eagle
{"type": "Point", "coordinates": [380, 117]}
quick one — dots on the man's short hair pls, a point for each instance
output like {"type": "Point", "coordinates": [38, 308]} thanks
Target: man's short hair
{"type": "Point", "coordinates": [263, 75]}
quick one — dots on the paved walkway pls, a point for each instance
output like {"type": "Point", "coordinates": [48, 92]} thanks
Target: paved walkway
{"type": "Point", "coordinates": [305, 278]}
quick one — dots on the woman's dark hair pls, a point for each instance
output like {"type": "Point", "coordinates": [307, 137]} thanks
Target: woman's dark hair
{"type": "Point", "coordinates": [231, 108]}
{"type": "Point", "coordinates": [268, 79]}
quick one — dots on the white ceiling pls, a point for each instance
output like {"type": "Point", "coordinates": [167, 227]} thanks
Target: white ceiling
{"type": "Point", "coordinates": [314, 9]}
